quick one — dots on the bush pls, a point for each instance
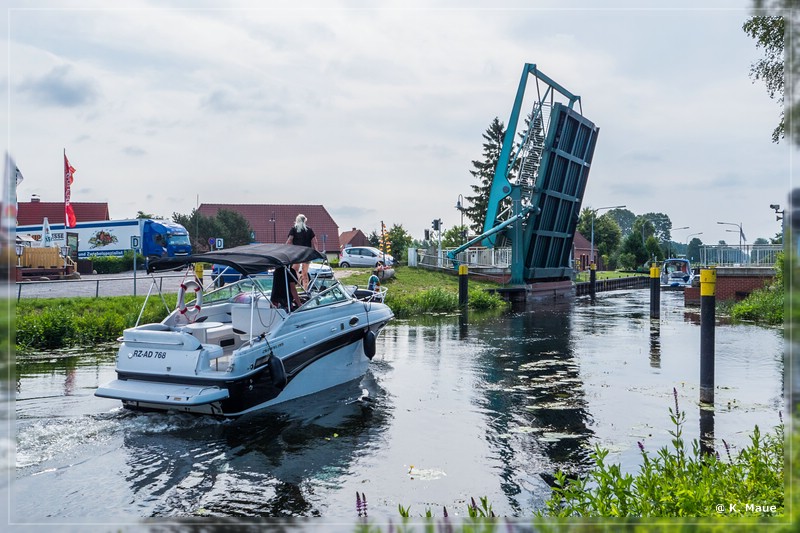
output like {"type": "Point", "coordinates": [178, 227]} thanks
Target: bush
{"type": "Point", "coordinates": [64, 322]}
{"type": "Point", "coordinates": [679, 482]}
{"type": "Point", "coordinates": [115, 265]}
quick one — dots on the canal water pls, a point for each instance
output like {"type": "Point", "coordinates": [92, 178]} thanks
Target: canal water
{"type": "Point", "coordinates": [449, 411]}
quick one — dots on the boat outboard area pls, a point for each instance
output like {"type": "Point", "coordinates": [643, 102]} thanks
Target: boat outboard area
{"type": "Point", "coordinates": [232, 351]}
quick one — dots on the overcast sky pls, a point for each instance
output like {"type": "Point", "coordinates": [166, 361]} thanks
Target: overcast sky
{"type": "Point", "coordinates": [377, 113]}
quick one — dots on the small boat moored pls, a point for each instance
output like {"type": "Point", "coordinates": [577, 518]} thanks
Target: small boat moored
{"type": "Point", "coordinates": [232, 350]}
{"type": "Point", "coordinates": [676, 273]}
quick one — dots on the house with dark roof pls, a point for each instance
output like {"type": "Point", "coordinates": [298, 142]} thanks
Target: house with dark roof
{"type": "Point", "coordinates": [272, 222]}
{"type": "Point", "coordinates": [354, 237]}
{"type": "Point", "coordinates": [33, 212]}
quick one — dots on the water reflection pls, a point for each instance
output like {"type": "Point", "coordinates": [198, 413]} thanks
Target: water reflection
{"type": "Point", "coordinates": [655, 343]}
{"type": "Point", "coordinates": [535, 401]}
{"type": "Point", "coordinates": [267, 464]}
{"type": "Point", "coordinates": [456, 407]}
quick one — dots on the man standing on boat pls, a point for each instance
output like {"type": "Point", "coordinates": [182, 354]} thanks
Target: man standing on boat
{"type": "Point", "coordinates": [302, 235]}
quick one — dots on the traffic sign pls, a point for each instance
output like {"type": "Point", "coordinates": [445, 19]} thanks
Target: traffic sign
{"type": "Point", "coordinates": [211, 241]}
{"type": "Point", "coordinates": [219, 244]}
{"type": "Point", "coordinates": [136, 242]}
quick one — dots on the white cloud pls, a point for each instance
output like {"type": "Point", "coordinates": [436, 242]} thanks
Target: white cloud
{"type": "Point", "coordinates": [376, 113]}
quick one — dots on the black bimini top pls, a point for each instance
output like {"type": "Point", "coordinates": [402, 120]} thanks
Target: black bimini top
{"type": "Point", "coordinates": [247, 259]}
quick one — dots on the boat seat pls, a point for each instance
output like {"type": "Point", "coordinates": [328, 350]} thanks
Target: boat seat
{"type": "Point", "coordinates": [209, 353]}
{"type": "Point", "coordinates": [171, 340]}
{"type": "Point", "coordinates": [263, 319]}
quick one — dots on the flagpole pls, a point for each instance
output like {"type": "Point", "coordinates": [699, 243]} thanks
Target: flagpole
{"type": "Point", "coordinates": [66, 219]}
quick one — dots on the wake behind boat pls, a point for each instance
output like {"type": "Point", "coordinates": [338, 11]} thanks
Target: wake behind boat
{"type": "Point", "coordinates": [232, 351]}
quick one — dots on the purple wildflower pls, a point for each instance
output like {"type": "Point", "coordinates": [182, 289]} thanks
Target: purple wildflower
{"type": "Point", "coordinates": [361, 506]}
{"type": "Point", "coordinates": [727, 450]}
{"type": "Point", "coordinates": [675, 394]}
{"type": "Point", "coordinates": [641, 446]}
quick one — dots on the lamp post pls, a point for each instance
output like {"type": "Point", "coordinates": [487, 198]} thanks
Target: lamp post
{"type": "Point", "coordinates": [460, 207]}
{"type": "Point", "coordinates": [741, 234]}
{"type": "Point", "coordinates": [274, 235]}
{"type": "Point", "coordinates": [669, 243]}
{"type": "Point", "coordinates": [594, 215]}
{"type": "Point", "coordinates": [687, 243]}
{"type": "Point", "coordinates": [20, 249]}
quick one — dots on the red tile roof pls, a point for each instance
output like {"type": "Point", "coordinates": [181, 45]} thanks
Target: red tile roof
{"type": "Point", "coordinates": [30, 213]}
{"type": "Point", "coordinates": [354, 237]}
{"type": "Point", "coordinates": [259, 216]}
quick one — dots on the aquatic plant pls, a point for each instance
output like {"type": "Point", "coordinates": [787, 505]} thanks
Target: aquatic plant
{"type": "Point", "coordinates": [676, 481]}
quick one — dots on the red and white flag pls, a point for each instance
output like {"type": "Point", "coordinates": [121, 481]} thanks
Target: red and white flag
{"type": "Point", "coordinates": [69, 213]}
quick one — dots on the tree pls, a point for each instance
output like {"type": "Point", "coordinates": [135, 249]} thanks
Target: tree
{"type": "Point", "coordinates": [653, 247]}
{"type": "Point", "coordinates": [483, 171]}
{"type": "Point", "coordinates": [400, 241]}
{"type": "Point", "coordinates": [693, 250]}
{"type": "Point", "coordinates": [624, 219]}
{"type": "Point", "coordinates": [662, 226]}
{"type": "Point", "coordinates": [228, 225]}
{"type": "Point", "coordinates": [454, 236]}
{"type": "Point", "coordinates": [632, 252]}
{"type": "Point", "coordinates": [607, 234]}
{"type": "Point", "coordinates": [769, 33]}
{"type": "Point", "coordinates": [233, 227]}
{"type": "Point", "coordinates": [642, 229]}
{"type": "Point", "coordinates": [143, 215]}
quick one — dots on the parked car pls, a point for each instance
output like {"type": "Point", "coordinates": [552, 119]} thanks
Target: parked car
{"type": "Point", "coordinates": [363, 256]}
{"type": "Point", "coordinates": [222, 274]}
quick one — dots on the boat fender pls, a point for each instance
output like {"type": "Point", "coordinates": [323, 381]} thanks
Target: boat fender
{"type": "Point", "coordinates": [277, 371]}
{"type": "Point", "coordinates": [369, 344]}
{"type": "Point", "coordinates": [190, 312]}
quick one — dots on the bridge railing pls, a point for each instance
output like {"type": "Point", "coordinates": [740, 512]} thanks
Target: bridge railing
{"type": "Point", "coordinates": [474, 258]}
{"type": "Point", "coordinates": [747, 254]}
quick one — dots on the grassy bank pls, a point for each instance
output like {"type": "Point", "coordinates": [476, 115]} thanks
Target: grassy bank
{"type": "Point", "coordinates": [53, 323]}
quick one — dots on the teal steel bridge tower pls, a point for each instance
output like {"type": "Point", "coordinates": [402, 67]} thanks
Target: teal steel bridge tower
{"type": "Point", "coordinates": [538, 185]}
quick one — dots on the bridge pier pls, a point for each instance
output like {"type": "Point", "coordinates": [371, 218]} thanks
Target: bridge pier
{"type": "Point", "coordinates": [537, 292]}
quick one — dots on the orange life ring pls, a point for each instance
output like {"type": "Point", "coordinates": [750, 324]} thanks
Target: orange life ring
{"type": "Point", "coordinates": [190, 312]}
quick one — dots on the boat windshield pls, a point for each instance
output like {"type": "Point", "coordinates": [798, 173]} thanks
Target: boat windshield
{"type": "Point", "coordinates": [329, 296]}
{"type": "Point", "coordinates": [263, 284]}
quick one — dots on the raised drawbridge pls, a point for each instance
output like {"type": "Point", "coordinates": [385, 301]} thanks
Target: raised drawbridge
{"type": "Point", "coordinates": [538, 184]}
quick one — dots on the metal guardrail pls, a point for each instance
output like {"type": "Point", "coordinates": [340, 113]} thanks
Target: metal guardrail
{"type": "Point", "coordinates": [613, 284]}
{"type": "Point", "coordinates": [499, 258]}
{"type": "Point", "coordinates": [747, 254]}
{"type": "Point", "coordinates": [112, 285]}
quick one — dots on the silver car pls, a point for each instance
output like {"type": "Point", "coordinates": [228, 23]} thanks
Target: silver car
{"type": "Point", "coordinates": [363, 256]}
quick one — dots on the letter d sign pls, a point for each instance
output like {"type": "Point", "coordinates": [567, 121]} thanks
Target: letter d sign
{"type": "Point", "coordinates": [135, 242]}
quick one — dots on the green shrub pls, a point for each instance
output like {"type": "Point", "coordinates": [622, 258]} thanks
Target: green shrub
{"type": "Point", "coordinates": [46, 324]}
{"type": "Point", "coordinates": [764, 306]}
{"type": "Point", "coordinates": [678, 482]}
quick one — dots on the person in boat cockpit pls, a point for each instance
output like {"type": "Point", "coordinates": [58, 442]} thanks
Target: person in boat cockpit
{"type": "Point", "coordinates": [302, 235]}
{"type": "Point", "coordinates": [285, 278]}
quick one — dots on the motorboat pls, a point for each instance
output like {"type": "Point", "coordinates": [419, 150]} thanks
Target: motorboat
{"type": "Point", "coordinates": [676, 273]}
{"type": "Point", "coordinates": [231, 350]}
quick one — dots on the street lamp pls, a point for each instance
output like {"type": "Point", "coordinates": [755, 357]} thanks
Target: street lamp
{"type": "Point", "coordinates": [690, 236]}
{"type": "Point", "coordinates": [460, 207]}
{"type": "Point", "coordinates": [594, 215]}
{"type": "Point", "coordinates": [741, 233]}
{"type": "Point", "coordinates": [274, 235]}
{"type": "Point", "coordinates": [20, 249]}
{"type": "Point", "coordinates": [669, 243]}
